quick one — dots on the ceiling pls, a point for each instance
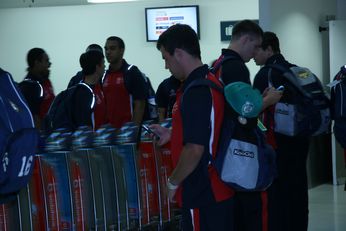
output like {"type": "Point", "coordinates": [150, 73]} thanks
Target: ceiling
{"type": "Point", "coordinates": [39, 3]}
{"type": "Point", "coordinates": [43, 3]}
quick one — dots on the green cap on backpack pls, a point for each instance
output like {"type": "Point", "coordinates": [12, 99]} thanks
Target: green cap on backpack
{"type": "Point", "coordinates": [245, 100]}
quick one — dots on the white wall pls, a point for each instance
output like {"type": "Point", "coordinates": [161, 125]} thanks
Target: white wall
{"type": "Point", "coordinates": [64, 32]}
{"type": "Point", "coordinates": [296, 23]}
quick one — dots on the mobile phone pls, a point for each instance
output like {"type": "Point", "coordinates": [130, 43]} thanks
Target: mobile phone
{"type": "Point", "coordinates": [280, 88]}
{"type": "Point", "coordinates": [150, 131]}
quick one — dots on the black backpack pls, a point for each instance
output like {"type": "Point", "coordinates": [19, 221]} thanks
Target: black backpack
{"type": "Point", "coordinates": [304, 109]}
{"type": "Point", "coordinates": [150, 112]}
{"type": "Point", "coordinates": [59, 114]}
{"type": "Point", "coordinates": [18, 139]}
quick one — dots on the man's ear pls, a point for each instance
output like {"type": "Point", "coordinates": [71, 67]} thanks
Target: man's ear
{"type": "Point", "coordinates": [37, 62]}
{"type": "Point", "coordinates": [122, 51]}
{"type": "Point", "coordinates": [179, 53]}
{"type": "Point", "coordinates": [269, 50]}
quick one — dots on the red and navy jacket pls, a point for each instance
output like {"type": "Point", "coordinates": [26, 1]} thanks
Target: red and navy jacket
{"type": "Point", "coordinates": [120, 89]}
{"type": "Point", "coordinates": [198, 121]}
{"type": "Point", "coordinates": [100, 111]}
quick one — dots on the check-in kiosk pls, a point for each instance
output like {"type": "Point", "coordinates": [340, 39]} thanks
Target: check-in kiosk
{"type": "Point", "coordinates": [148, 170]}
{"type": "Point", "coordinates": [126, 149]}
{"type": "Point", "coordinates": [104, 145]}
{"type": "Point", "coordinates": [82, 187]}
{"type": "Point", "coordinates": [55, 180]}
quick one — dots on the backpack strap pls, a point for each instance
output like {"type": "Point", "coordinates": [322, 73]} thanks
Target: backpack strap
{"type": "Point", "coordinates": [127, 70]}
{"type": "Point", "coordinates": [31, 81]}
{"type": "Point", "coordinates": [91, 90]}
{"type": "Point", "coordinates": [214, 69]}
{"type": "Point", "coordinates": [203, 83]}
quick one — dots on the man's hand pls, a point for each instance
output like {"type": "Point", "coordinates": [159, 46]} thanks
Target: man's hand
{"type": "Point", "coordinates": [271, 96]}
{"type": "Point", "coordinates": [162, 132]}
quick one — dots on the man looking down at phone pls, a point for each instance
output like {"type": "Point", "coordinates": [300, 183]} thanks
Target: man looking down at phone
{"type": "Point", "coordinates": [288, 195]}
{"type": "Point", "coordinates": [206, 202]}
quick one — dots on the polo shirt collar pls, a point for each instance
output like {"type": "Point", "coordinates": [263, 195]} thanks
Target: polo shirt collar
{"type": "Point", "coordinates": [199, 72]}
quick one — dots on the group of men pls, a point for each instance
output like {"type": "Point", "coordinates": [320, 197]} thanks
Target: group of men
{"type": "Point", "coordinates": [207, 203]}
{"type": "Point", "coordinates": [113, 97]}
{"type": "Point", "coordinates": [120, 96]}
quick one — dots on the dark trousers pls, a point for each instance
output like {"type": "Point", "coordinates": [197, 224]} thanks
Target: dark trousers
{"type": "Point", "coordinates": [288, 196]}
{"type": "Point", "coordinates": [218, 216]}
{"type": "Point", "coordinates": [251, 211]}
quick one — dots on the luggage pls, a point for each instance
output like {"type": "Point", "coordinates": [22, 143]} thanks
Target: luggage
{"type": "Point", "coordinates": [18, 139]}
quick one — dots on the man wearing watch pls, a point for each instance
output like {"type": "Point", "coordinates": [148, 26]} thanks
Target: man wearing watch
{"type": "Point", "coordinates": [206, 202]}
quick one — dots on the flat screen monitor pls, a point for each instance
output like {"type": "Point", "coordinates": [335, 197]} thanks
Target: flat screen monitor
{"type": "Point", "coordinates": [159, 19]}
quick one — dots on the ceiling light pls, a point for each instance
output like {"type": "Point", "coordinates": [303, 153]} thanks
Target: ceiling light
{"type": "Point", "coordinates": [108, 1]}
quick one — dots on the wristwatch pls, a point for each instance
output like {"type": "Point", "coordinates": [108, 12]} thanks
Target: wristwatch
{"type": "Point", "coordinates": [170, 185]}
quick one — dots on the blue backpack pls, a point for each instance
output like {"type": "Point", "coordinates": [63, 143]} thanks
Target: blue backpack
{"type": "Point", "coordinates": [243, 160]}
{"type": "Point", "coordinates": [18, 139]}
{"type": "Point", "coordinates": [338, 106]}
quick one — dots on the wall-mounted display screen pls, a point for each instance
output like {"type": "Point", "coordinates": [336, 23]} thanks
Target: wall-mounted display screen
{"type": "Point", "coordinates": [159, 19]}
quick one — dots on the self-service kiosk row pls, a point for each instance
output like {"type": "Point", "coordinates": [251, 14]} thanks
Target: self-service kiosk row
{"type": "Point", "coordinates": [106, 181]}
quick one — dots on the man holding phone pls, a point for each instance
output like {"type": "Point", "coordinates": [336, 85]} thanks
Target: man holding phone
{"type": "Point", "coordinates": [205, 201]}
{"type": "Point", "coordinates": [288, 196]}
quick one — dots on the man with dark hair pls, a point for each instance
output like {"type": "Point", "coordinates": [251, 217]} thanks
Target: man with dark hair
{"type": "Point", "coordinates": [100, 103]}
{"type": "Point", "coordinates": [288, 196]}
{"type": "Point", "coordinates": [93, 67]}
{"type": "Point", "coordinates": [79, 76]}
{"type": "Point", "coordinates": [165, 97]}
{"type": "Point", "coordinates": [207, 203]}
{"type": "Point", "coordinates": [245, 42]}
{"type": "Point", "coordinates": [76, 105]}
{"type": "Point", "coordinates": [36, 86]}
{"type": "Point", "coordinates": [124, 86]}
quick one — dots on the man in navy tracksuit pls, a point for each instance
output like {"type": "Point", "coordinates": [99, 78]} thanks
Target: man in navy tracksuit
{"type": "Point", "coordinates": [36, 86]}
{"type": "Point", "coordinates": [288, 196]}
{"type": "Point", "coordinates": [206, 202]}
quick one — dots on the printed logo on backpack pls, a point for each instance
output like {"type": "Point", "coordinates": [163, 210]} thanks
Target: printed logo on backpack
{"type": "Point", "coordinates": [18, 139]}
{"type": "Point", "coordinates": [244, 165]}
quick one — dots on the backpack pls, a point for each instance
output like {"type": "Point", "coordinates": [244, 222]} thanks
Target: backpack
{"type": "Point", "coordinates": [217, 64]}
{"type": "Point", "coordinates": [242, 164]}
{"type": "Point", "coordinates": [338, 105]}
{"type": "Point", "coordinates": [150, 112]}
{"type": "Point", "coordinates": [304, 109]}
{"type": "Point", "coordinates": [59, 114]}
{"type": "Point", "coordinates": [18, 139]}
